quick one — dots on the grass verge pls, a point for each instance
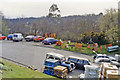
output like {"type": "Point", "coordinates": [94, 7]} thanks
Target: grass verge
{"type": "Point", "coordinates": [21, 72]}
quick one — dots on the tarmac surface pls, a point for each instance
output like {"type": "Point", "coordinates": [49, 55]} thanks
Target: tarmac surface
{"type": "Point", "coordinates": [33, 54]}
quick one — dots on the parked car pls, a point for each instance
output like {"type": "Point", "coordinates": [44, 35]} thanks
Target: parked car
{"type": "Point", "coordinates": [62, 60]}
{"type": "Point", "coordinates": [38, 38]}
{"type": "Point", "coordinates": [49, 66]}
{"type": "Point", "coordinates": [9, 37]}
{"type": "Point", "coordinates": [49, 41]}
{"type": "Point", "coordinates": [115, 63]}
{"type": "Point", "coordinates": [56, 56]}
{"type": "Point", "coordinates": [79, 62]}
{"type": "Point", "coordinates": [17, 37]}
{"type": "Point", "coordinates": [2, 37]}
{"type": "Point", "coordinates": [29, 38]}
{"type": "Point", "coordinates": [100, 60]}
{"type": "Point", "coordinates": [113, 48]}
{"type": "Point", "coordinates": [103, 56]}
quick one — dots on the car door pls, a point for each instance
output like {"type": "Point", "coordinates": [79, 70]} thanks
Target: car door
{"type": "Point", "coordinates": [53, 41]}
{"type": "Point", "coordinates": [39, 38]}
{"type": "Point", "coordinates": [79, 63]}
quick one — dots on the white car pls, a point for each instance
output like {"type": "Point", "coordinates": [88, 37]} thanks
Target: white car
{"type": "Point", "coordinates": [17, 37]}
{"type": "Point", "coordinates": [115, 63]}
{"type": "Point", "coordinates": [100, 60]}
{"type": "Point", "coordinates": [104, 56]}
{"type": "Point", "coordinates": [29, 38]}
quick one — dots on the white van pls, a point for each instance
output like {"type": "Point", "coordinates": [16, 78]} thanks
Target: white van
{"type": "Point", "coordinates": [17, 37]}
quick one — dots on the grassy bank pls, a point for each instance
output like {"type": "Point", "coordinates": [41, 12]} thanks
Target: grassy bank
{"type": "Point", "coordinates": [84, 49]}
{"type": "Point", "coordinates": [16, 71]}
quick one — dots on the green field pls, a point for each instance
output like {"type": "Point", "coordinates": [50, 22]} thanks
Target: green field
{"type": "Point", "coordinates": [85, 49]}
{"type": "Point", "coordinates": [15, 71]}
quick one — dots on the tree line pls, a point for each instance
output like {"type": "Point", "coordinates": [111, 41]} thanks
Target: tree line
{"type": "Point", "coordinates": [102, 28]}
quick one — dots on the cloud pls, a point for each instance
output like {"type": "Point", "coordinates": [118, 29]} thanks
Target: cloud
{"type": "Point", "coordinates": [37, 8]}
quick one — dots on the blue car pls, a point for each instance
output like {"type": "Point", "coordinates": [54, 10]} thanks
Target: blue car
{"type": "Point", "coordinates": [9, 37]}
{"type": "Point", "coordinates": [49, 41]}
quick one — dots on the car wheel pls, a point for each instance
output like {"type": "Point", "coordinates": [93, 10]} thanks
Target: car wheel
{"type": "Point", "coordinates": [49, 43]}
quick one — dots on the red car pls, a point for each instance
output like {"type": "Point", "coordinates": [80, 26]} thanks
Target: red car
{"type": "Point", "coordinates": [38, 38]}
{"type": "Point", "coordinates": [2, 37]}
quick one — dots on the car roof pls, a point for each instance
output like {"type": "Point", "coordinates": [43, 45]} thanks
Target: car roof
{"type": "Point", "coordinates": [10, 34]}
{"type": "Point", "coordinates": [49, 38]}
{"type": "Point", "coordinates": [30, 35]}
{"type": "Point", "coordinates": [55, 54]}
{"type": "Point", "coordinates": [51, 60]}
{"type": "Point", "coordinates": [101, 55]}
{"type": "Point", "coordinates": [37, 36]}
{"type": "Point", "coordinates": [101, 59]}
{"type": "Point", "coordinates": [78, 58]}
{"type": "Point", "coordinates": [17, 34]}
{"type": "Point", "coordinates": [113, 46]}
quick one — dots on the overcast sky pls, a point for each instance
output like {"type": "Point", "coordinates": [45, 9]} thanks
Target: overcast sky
{"type": "Point", "coordinates": [38, 8]}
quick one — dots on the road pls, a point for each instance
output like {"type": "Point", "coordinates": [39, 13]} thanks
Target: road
{"type": "Point", "coordinates": [31, 53]}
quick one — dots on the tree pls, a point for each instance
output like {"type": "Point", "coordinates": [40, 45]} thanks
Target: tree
{"type": "Point", "coordinates": [3, 28]}
{"type": "Point", "coordinates": [109, 24]}
{"type": "Point", "coordinates": [119, 26]}
{"type": "Point", "coordinates": [1, 21]}
{"type": "Point", "coordinates": [54, 11]}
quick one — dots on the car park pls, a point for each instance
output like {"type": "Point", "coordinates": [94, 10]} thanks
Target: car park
{"type": "Point", "coordinates": [100, 60]}
{"type": "Point", "coordinates": [79, 62]}
{"type": "Point", "coordinates": [9, 37]}
{"type": "Point", "coordinates": [29, 38]}
{"type": "Point", "coordinates": [103, 56]}
{"type": "Point", "coordinates": [38, 38]}
{"type": "Point", "coordinates": [62, 60]}
{"type": "Point", "coordinates": [49, 41]}
{"type": "Point", "coordinates": [2, 37]}
{"type": "Point", "coordinates": [17, 37]}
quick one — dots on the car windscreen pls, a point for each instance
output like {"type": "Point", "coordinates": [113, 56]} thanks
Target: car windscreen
{"type": "Point", "coordinates": [15, 35]}
{"type": "Point", "coordinates": [80, 61]}
{"type": "Point", "coordinates": [50, 39]}
{"type": "Point", "coordinates": [72, 59]}
{"type": "Point", "coordinates": [35, 37]}
{"type": "Point", "coordinates": [102, 56]}
{"type": "Point", "coordinates": [86, 62]}
{"type": "Point", "coordinates": [9, 35]}
{"type": "Point", "coordinates": [106, 60]}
